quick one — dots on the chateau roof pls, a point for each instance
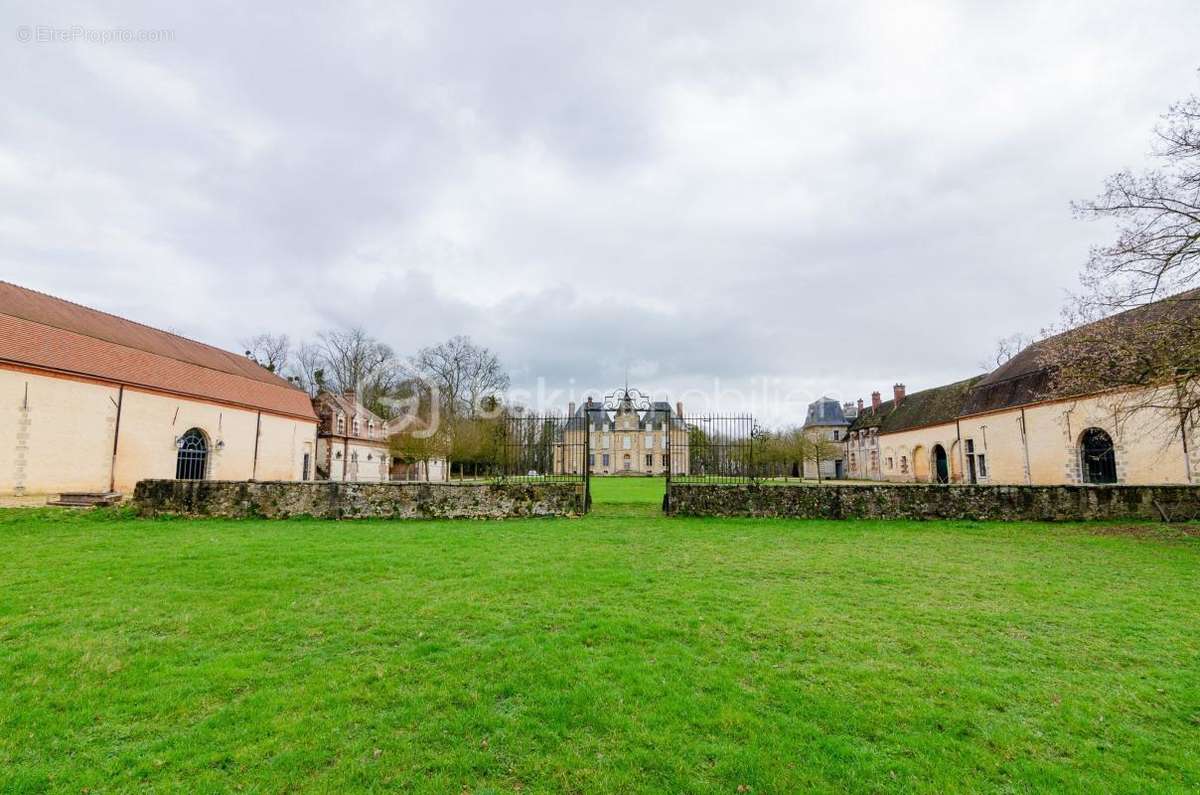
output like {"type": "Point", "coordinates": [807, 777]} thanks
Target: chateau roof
{"type": "Point", "coordinates": [928, 407]}
{"type": "Point", "coordinates": [825, 412]}
{"type": "Point", "coordinates": [48, 333]}
{"type": "Point", "coordinates": [593, 413]}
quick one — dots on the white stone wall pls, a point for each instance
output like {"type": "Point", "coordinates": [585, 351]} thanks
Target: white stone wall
{"type": "Point", "coordinates": [57, 434]}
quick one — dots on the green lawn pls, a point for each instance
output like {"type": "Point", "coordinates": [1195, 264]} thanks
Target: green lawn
{"type": "Point", "coordinates": [621, 652]}
{"type": "Point", "coordinates": [628, 490]}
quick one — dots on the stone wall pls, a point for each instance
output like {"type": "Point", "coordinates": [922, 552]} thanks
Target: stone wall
{"type": "Point", "coordinates": [917, 501]}
{"type": "Point", "coordinates": [335, 500]}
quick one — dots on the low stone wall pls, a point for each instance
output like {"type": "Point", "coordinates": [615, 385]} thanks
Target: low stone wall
{"type": "Point", "coordinates": [919, 501]}
{"type": "Point", "coordinates": [235, 499]}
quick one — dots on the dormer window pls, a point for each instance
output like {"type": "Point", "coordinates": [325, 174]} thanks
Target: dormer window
{"type": "Point", "coordinates": [356, 426]}
{"type": "Point", "coordinates": [341, 424]}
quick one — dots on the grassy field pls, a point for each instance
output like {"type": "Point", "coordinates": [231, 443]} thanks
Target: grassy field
{"type": "Point", "coordinates": [628, 490]}
{"type": "Point", "coordinates": [621, 652]}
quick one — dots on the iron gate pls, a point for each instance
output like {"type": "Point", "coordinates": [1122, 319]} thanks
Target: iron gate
{"type": "Point", "coordinates": [627, 433]}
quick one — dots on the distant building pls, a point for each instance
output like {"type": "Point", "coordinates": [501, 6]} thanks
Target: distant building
{"type": "Point", "coordinates": [352, 443]}
{"type": "Point", "coordinates": [627, 440]}
{"type": "Point", "coordinates": [434, 469]}
{"type": "Point", "coordinates": [827, 420]}
{"type": "Point", "coordinates": [910, 437]}
{"type": "Point", "coordinates": [92, 402]}
{"type": "Point", "coordinates": [1010, 426]}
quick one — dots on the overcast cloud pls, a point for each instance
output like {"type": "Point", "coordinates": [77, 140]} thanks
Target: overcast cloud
{"type": "Point", "coordinates": [790, 198]}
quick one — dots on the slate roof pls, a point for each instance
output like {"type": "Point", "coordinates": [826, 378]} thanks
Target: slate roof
{"type": "Point", "coordinates": [594, 413]}
{"type": "Point", "coordinates": [934, 406]}
{"type": "Point", "coordinates": [48, 333]}
{"type": "Point", "coordinates": [825, 412]}
{"type": "Point", "coordinates": [658, 416]}
{"type": "Point", "coordinates": [589, 413]}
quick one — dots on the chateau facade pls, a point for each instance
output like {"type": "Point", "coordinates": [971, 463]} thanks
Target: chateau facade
{"type": "Point", "coordinates": [628, 440]}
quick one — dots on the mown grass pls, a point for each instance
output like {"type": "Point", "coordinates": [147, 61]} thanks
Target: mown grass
{"type": "Point", "coordinates": [628, 490]}
{"type": "Point", "coordinates": [618, 653]}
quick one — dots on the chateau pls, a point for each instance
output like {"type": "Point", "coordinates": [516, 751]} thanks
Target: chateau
{"type": "Point", "coordinates": [629, 440]}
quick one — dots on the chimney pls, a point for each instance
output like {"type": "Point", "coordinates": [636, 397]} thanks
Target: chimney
{"type": "Point", "coordinates": [876, 401]}
{"type": "Point", "coordinates": [571, 409]}
{"type": "Point", "coordinates": [679, 408]}
{"type": "Point", "coordinates": [350, 394]}
{"type": "Point", "coordinates": [898, 393]}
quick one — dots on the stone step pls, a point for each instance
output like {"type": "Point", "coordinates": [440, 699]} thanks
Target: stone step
{"type": "Point", "coordinates": [86, 499]}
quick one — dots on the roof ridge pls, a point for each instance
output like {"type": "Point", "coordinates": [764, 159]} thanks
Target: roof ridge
{"type": "Point", "coordinates": [278, 379]}
{"type": "Point", "coordinates": [110, 314]}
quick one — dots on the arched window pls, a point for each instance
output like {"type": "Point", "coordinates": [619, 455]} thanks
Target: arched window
{"type": "Point", "coordinates": [191, 463]}
{"type": "Point", "coordinates": [1098, 460]}
{"type": "Point", "coordinates": [341, 427]}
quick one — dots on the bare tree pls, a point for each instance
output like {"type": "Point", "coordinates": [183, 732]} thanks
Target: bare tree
{"type": "Point", "coordinates": [816, 447]}
{"type": "Point", "coordinates": [1006, 349]}
{"type": "Point", "coordinates": [464, 375]}
{"type": "Point", "coordinates": [422, 448]}
{"type": "Point", "coordinates": [272, 351]}
{"type": "Point", "coordinates": [1148, 356]}
{"type": "Point", "coordinates": [308, 368]}
{"type": "Point", "coordinates": [1157, 251]}
{"type": "Point", "coordinates": [358, 362]}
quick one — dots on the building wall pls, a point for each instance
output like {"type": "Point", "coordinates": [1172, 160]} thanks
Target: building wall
{"type": "Point", "coordinates": [282, 446]}
{"type": "Point", "coordinates": [358, 460]}
{"type": "Point", "coordinates": [907, 456]}
{"type": "Point", "coordinates": [836, 435]}
{"type": "Point", "coordinates": [1040, 446]}
{"type": "Point", "coordinates": [56, 435]}
{"type": "Point", "coordinates": [863, 460]}
{"type": "Point", "coordinates": [433, 471]}
{"type": "Point", "coordinates": [641, 444]}
{"type": "Point", "coordinates": [1147, 450]}
{"type": "Point", "coordinates": [610, 442]}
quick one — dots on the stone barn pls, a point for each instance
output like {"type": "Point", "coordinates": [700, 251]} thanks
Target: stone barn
{"type": "Point", "coordinates": [92, 402]}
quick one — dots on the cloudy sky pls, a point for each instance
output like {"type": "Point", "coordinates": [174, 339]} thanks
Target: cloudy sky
{"type": "Point", "coordinates": [784, 199]}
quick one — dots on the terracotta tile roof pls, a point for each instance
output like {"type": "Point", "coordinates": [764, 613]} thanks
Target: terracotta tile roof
{"type": "Point", "coordinates": [38, 330]}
